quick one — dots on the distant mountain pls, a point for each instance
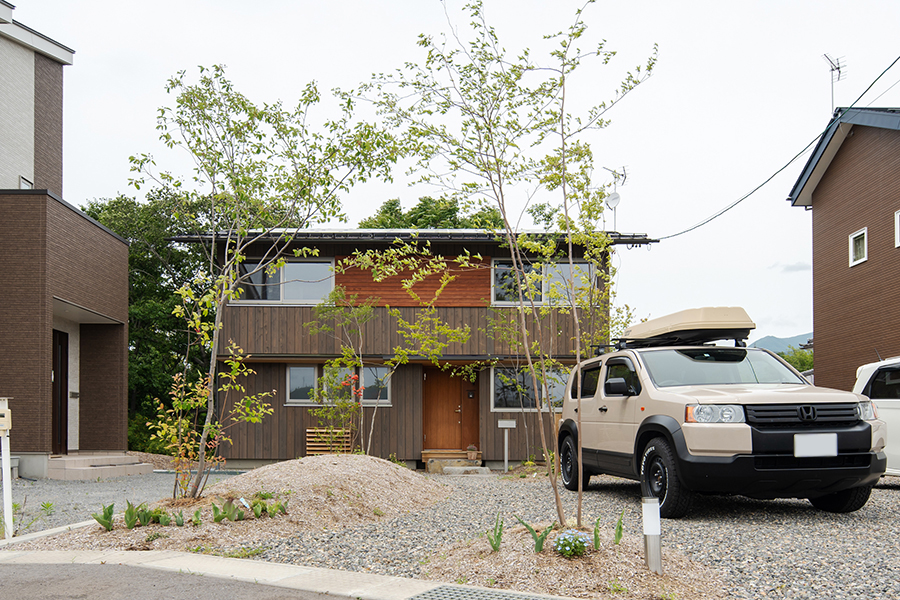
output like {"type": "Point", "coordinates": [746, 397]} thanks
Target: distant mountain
{"type": "Point", "coordinates": [781, 344]}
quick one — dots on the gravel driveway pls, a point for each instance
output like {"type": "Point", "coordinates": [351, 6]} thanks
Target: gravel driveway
{"type": "Point", "coordinates": [765, 548]}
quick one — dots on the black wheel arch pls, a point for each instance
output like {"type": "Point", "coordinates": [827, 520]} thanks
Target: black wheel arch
{"type": "Point", "coordinates": [658, 426]}
{"type": "Point", "coordinates": [567, 428]}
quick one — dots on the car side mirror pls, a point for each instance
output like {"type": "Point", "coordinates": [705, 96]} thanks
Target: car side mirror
{"type": "Point", "coordinates": [616, 386]}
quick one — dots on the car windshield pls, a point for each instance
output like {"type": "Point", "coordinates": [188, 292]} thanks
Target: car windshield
{"type": "Point", "coordinates": [715, 366]}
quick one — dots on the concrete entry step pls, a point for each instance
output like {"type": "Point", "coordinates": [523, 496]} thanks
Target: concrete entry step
{"type": "Point", "coordinates": [466, 471]}
{"type": "Point", "coordinates": [73, 467]}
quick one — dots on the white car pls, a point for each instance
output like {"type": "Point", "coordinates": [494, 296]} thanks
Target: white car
{"type": "Point", "coordinates": [880, 381]}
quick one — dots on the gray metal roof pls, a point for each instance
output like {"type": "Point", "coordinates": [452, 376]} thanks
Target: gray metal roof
{"type": "Point", "coordinates": [430, 235]}
{"type": "Point", "coordinates": [841, 124]}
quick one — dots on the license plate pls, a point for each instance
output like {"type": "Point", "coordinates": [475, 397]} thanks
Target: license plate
{"type": "Point", "coordinates": [815, 444]}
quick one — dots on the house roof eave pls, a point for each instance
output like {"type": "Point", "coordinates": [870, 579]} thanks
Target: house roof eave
{"type": "Point", "coordinates": [830, 142]}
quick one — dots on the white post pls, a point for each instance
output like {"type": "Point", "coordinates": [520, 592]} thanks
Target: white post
{"type": "Point", "coordinates": [652, 530]}
{"type": "Point", "coordinates": [506, 450]}
{"type": "Point", "coordinates": [6, 468]}
{"type": "Point", "coordinates": [506, 425]}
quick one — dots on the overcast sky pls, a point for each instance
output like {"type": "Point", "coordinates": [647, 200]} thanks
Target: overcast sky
{"type": "Point", "coordinates": [739, 89]}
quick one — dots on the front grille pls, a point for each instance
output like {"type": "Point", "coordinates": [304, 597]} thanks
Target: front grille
{"type": "Point", "coordinates": [802, 415]}
{"type": "Point", "coordinates": [845, 461]}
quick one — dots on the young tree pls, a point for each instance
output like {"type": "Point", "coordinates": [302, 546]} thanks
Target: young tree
{"type": "Point", "coordinates": [487, 125]}
{"type": "Point", "coordinates": [262, 172]}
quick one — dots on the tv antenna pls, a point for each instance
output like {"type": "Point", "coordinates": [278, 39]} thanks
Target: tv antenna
{"type": "Point", "coordinates": [612, 200]}
{"type": "Point", "coordinates": [837, 71]}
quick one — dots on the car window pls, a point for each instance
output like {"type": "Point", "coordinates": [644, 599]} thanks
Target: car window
{"type": "Point", "coordinates": [590, 377]}
{"type": "Point", "coordinates": [715, 366]}
{"type": "Point", "coordinates": [885, 385]}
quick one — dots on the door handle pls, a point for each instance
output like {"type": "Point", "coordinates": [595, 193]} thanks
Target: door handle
{"type": "Point", "coordinates": [459, 410]}
{"type": "Point", "coordinates": [603, 409]}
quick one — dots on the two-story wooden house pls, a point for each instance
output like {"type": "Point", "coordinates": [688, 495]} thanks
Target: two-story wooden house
{"type": "Point", "coordinates": [852, 185]}
{"type": "Point", "coordinates": [423, 411]}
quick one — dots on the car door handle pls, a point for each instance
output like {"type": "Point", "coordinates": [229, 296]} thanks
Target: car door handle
{"type": "Point", "coordinates": [603, 409]}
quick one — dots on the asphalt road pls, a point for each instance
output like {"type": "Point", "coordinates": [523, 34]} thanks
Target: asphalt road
{"type": "Point", "coordinates": [120, 582]}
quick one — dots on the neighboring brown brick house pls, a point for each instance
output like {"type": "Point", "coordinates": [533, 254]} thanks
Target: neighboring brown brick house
{"type": "Point", "coordinates": [426, 411]}
{"type": "Point", "coordinates": [64, 300]}
{"type": "Point", "coordinates": [852, 185]}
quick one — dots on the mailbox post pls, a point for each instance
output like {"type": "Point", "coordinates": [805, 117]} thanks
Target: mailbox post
{"type": "Point", "coordinates": [506, 425]}
{"type": "Point", "coordinates": [5, 467]}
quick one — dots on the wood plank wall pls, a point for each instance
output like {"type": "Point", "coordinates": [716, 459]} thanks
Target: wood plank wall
{"type": "Point", "coordinates": [282, 435]}
{"type": "Point", "coordinates": [282, 331]}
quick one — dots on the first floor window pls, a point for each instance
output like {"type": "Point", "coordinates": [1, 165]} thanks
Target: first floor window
{"type": "Point", "coordinates": [301, 383]}
{"type": "Point", "coordinates": [513, 388]}
{"type": "Point", "coordinates": [304, 380]}
{"type": "Point", "coordinates": [858, 247]}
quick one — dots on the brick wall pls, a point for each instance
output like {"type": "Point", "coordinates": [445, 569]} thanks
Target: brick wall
{"type": "Point", "coordinates": [25, 317]}
{"type": "Point", "coordinates": [103, 410]}
{"type": "Point", "coordinates": [856, 308]}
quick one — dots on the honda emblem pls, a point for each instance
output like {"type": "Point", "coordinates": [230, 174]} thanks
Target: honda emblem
{"type": "Point", "coordinates": [807, 413]}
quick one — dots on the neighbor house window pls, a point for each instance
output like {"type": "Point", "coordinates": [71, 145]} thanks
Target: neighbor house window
{"type": "Point", "coordinates": [303, 380]}
{"type": "Point", "coordinates": [547, 283]}
{"type": "Point", "coordinates": [897, 229]}
{"type": "Point", "coordinates": [300, 282]}
{"type": "Point", "coordinates": [514, 390]}
{"type": "Point", "coordinates": [859, 247]}
{"type": "Point", "coordinates": [25, 184]}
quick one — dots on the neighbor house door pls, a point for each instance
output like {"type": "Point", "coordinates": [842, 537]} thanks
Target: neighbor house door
{"type": "Point", "coordinates": [59, 378]}
{"type": "Point", "coordinates": [449, 411]}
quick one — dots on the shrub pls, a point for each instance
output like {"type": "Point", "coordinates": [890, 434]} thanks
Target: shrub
{"type": "Point", "coordinates": [571, 542]}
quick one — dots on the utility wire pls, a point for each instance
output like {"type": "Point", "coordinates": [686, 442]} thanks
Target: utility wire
{"type": "Point", "coordinates": [789, 163]}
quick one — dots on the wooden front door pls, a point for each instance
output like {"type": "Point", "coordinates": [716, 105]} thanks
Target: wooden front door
{"type": "Point", "coordinates": [449, 411]}
{"type": "Point", "coordinates": [60, 385]}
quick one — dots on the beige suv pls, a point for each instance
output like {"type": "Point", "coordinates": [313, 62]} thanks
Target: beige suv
{"type": "Point", "coordinates": [683, 416]}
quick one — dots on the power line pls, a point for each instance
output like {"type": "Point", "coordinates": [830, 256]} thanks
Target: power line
{"type": "Point", "coordinates": [789, 163]}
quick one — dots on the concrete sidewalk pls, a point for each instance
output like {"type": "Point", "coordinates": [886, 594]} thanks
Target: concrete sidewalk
{"type": "Point", "coordinates": [103, 573]}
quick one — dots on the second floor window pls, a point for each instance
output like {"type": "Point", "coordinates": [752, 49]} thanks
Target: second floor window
{"type": "Point", "coordinates": [547, 284]}
{"type": "Point", "coordinates": [300, 282]}
{"type": "Point", "coordinates": [859, 251]}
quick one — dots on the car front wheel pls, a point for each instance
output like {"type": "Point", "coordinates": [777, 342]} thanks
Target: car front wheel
{"type": "Point", "coordinates": [844, 501]}
{"type": "Point", "coordinates": [660, 479]}
{"type": "Point", "coordinates": [568, 463]}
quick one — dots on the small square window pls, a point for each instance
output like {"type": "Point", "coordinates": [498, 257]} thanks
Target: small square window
{"type": "Point", "coordinates": [897, 229]}
{"type": "Point", "coordinates": [859, 247]}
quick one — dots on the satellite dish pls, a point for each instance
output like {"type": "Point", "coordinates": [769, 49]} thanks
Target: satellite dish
{"type": "Point", "coordinates": [612, 200]}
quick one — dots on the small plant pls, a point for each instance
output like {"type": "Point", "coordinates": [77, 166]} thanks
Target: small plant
{"type": "Point", "coordinates": [618, 536]}
{"type": "Point", "coordinates": [471, 448]}
{"type": "Point", "coordinates": [597, 534]}
{"type": "Point", "coordinates": [616, 587]}
{"type": "Point", "coordinates": [538, 538]}
{"type": "Point", "coordinates": [195, 520]}
{"type": "Point", "coordinates": [263, 495]}
{"type": "Point", "coordinates": [378, 512]}
{"type": "Point", "coordinates": [393, 458]}
{"type": "Point", "coordinates": [165, 519]}
{"type": "Point", "coordinates": [497, 535]}
{"type": "Point", "coordinates": [145, 517]}
{"type": "Point", "coordinates": [152, 537]}
{"type": "Point", "coordinates": [131, 515]}
{"type": "Point", "coordinates": [179, 518]}
{"type": "Point", "coordinates": [259, 509]}
{"type": "Point", "coordinates": [105, 519]}
{"type": "Point", "coordinates": [571, 542]}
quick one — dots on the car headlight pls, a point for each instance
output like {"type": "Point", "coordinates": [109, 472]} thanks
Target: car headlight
{"type": "Point", "coordinates": [714, 413]}
{"type": "Point", "coordinates": [866, 411]}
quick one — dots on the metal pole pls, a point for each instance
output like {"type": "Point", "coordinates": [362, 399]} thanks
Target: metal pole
{"type": "Point", "coordinates": [7, 485]}
{"type": "Point", "coordinates": [652, 546]}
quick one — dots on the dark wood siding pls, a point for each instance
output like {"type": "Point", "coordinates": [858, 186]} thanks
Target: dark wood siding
{"type": "Point", "coordinates": [282, 435]}
{"type": "Point", "coordinates": [856, 308]}
{"type": "Point", "coordinates": [279, 331]}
